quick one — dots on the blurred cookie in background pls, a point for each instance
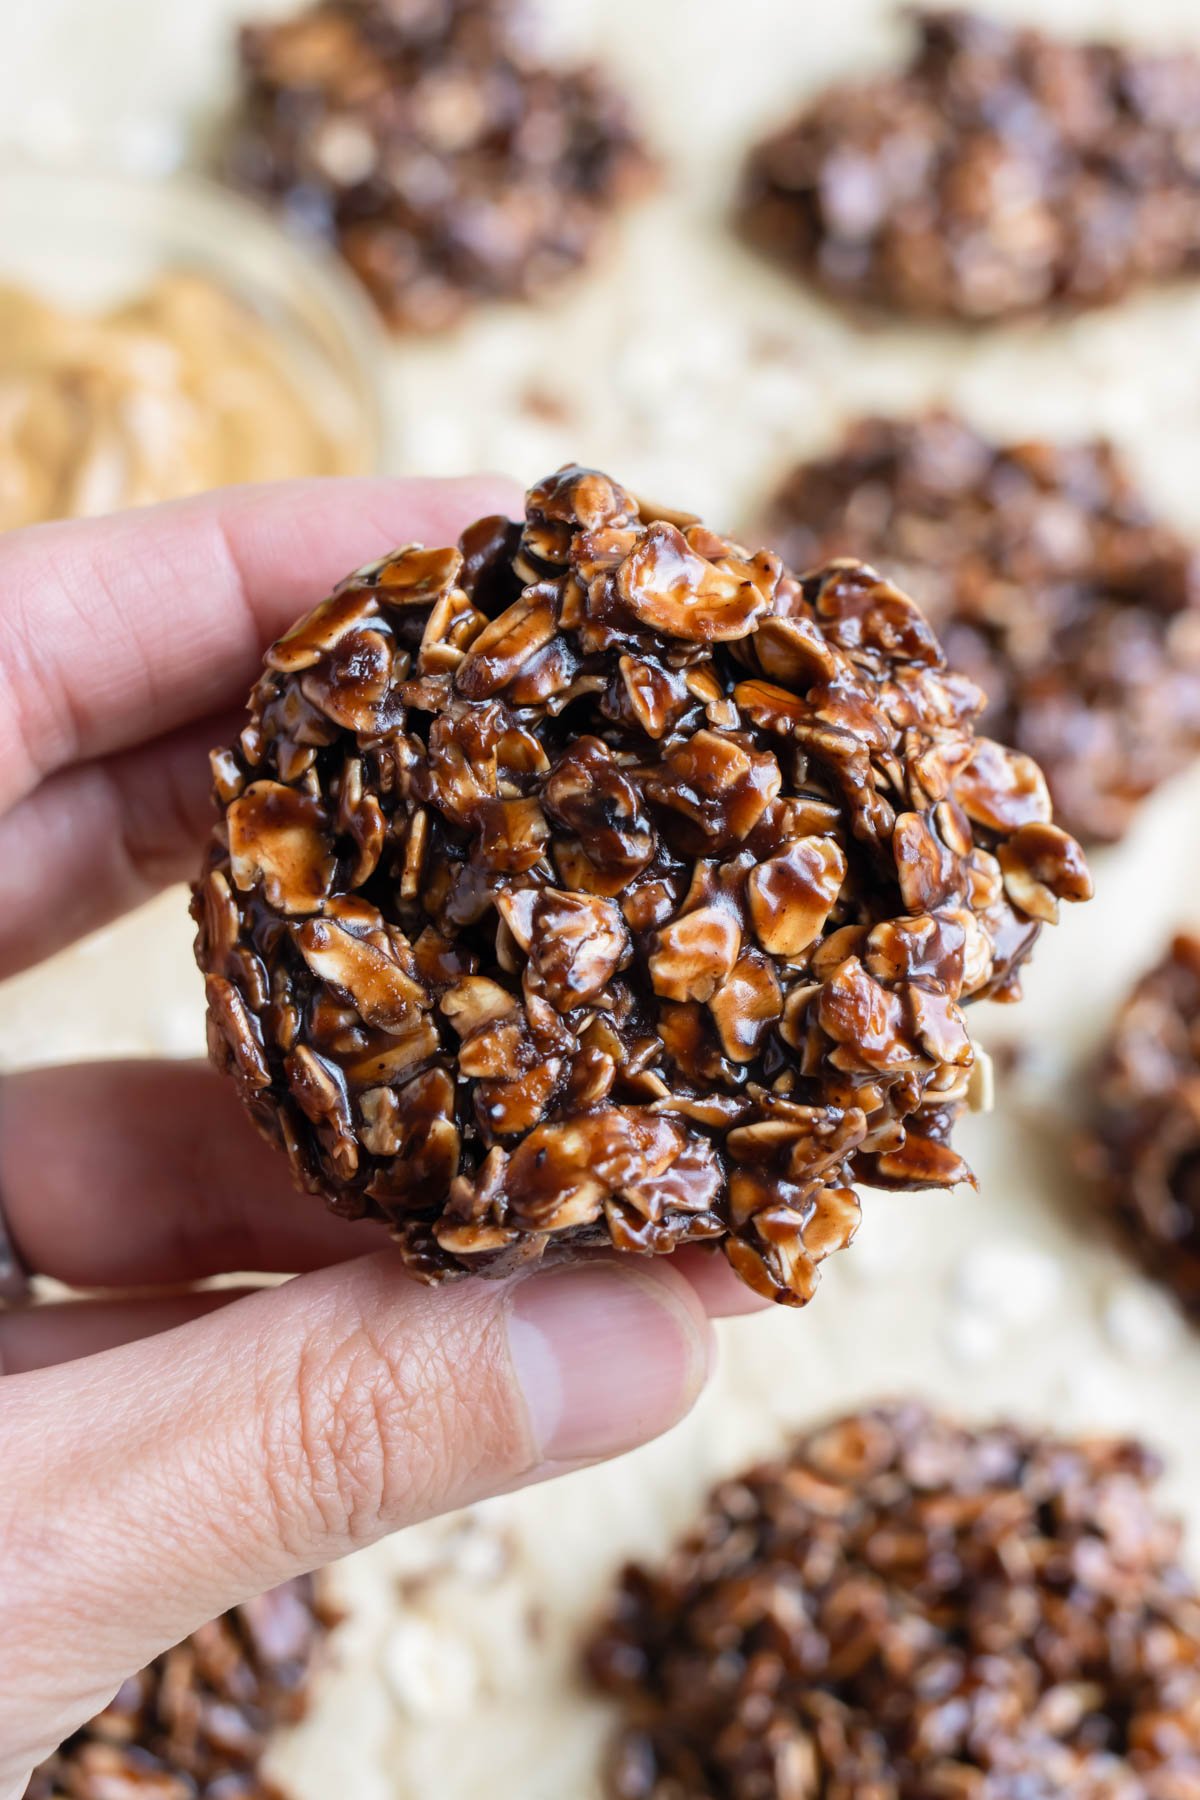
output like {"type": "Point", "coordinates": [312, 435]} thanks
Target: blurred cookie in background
{"type": "Point", "coordinates": [1144, 1149]}
{"type": "Point", "coordinates": [903, 1606]}
{"type": "Point", "coordinates": [428, 140]}
{"type": "Point", "coordinates": [197, 1723]}
{"type": "Point", "coordinates": [1049, 579]}
{"type": "Point", "coordinates": [1003, 171]}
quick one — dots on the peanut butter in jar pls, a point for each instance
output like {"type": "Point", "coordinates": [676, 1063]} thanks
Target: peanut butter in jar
{"type": "Point", "coordinates": [179, 389]}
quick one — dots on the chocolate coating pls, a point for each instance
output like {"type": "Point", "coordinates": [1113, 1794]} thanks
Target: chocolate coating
{"type": "Point", "coordinates": [598, 882]}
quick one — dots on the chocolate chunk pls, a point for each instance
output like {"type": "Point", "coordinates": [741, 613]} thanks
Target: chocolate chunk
{"type": "Point", "coordinates": [196, 1723]}
{"type": "Point", "coordinates": [902, 1608]}
{"type": "Point", "coordinates": [1050, 582]}
{"type": "Point", "coordinates": [431, 145]}
{"type": "Point", "coordinates": [1004, 171]}
{"type": "Point", "coordinates": [1144, 1147]}
{"type": "Point", "coordinates": [615, 887]}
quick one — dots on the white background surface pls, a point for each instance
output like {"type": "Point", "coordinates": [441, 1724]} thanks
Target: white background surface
{"type": "Point", "coordinates": [695, 374]}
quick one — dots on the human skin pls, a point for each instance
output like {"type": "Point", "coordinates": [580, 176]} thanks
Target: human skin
{"type": "Point", "coordinates": [167, 1452]}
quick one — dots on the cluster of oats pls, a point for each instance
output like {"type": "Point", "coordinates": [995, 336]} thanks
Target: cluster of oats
{"type": "Point", "coordinates": [196, 1723]}
{"type": "Point", "coordinates": [429, 141]}
{"type": "Point", "coordinates": [598, 882]}
{"type": "Point", "coordinates": [1003, 171]}
{"type": "Point", "coordinates": [904, 1609]}
{"type": "Point", "coordinates": [1049, 580]}
{"type": "Point", "coordinates": [1144, 1147]}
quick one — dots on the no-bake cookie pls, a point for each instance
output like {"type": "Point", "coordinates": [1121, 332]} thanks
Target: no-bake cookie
{"type": "Point", "coordinates": [1144, 1148]}
{"type": "Point", "coordinates": [599, 882]}
{"type": "Point", "coordinates": [1003, 171]}
{"type": "Point", "coordinates": [196, 1724]}
{"type": "Point", "coordinates": [905, 1608]}
{"type": "Point", "coordinates": [430, 142]}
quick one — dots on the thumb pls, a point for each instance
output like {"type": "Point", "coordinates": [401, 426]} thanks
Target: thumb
{"type": "Point", "coordinates": [149, 1488]}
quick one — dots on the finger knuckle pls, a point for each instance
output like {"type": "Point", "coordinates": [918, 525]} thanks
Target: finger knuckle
{"type": "Point", "coordinates": [353, 1446]}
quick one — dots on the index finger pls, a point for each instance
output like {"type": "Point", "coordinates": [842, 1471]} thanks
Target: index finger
{"type": "Point", "coordinates": [115, 630]}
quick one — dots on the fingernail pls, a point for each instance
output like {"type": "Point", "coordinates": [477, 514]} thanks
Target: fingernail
{"type": "Point", "coordinates": [607, 1357]}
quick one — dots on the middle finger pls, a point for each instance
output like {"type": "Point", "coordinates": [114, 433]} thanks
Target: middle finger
{"type": "Point", "coordinates": [98, 839]}
{"type": "Point", "coordinates": [149, 1174]}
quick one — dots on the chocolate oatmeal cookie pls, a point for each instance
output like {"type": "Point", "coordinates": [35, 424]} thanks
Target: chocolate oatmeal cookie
{"type": "Point", "coordinates": [196, 1724]}
{"type": "Point", "coordinates": [1144, 1147]}
{"type": "Point", "coordinates": [599, 882]}
{"type": "Point", "coordinates": [430, 143]}
{"type": "Point", "coordinates": [1002, 172]}
{"type": "Point", "coordinates": [902, 1608]}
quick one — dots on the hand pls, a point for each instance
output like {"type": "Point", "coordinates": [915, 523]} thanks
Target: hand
{"type": "Point", "coordinates": [163, 1455]}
